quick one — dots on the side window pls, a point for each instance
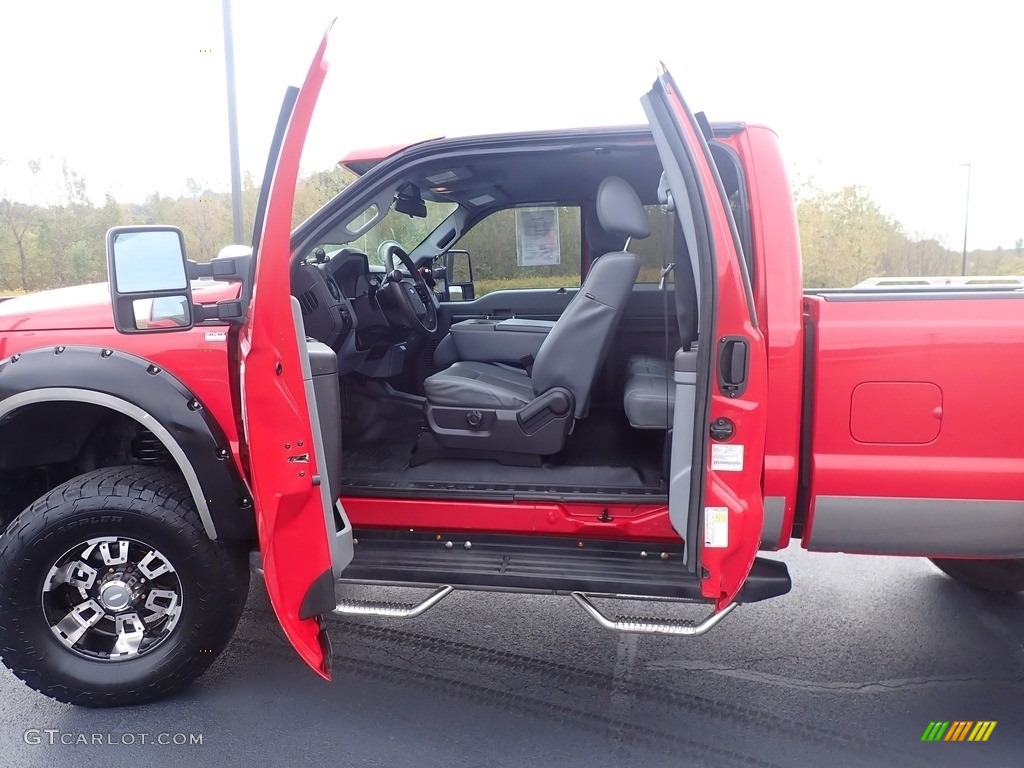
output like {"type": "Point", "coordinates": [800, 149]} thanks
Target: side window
{"type": "Point", "coordinates": [651, 250]}
{"type": "Point", "coordinates": [528, 247]}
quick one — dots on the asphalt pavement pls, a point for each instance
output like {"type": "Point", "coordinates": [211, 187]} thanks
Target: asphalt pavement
{"type": "Point", "coordinates": [848, 669]}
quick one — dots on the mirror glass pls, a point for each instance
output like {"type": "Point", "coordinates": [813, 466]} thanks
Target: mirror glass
{"type": "Point", "coordinates": [458, 267]}
{"type": "Point", "coordinates": [149, 261]}
{"type": "Point", "coordinates": [162, 312]}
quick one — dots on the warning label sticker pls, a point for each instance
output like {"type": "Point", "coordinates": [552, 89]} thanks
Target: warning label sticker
{"type": "Point", "coordinates": [716, 527]}
{"type": "Point", "coordinates": [727, 458]}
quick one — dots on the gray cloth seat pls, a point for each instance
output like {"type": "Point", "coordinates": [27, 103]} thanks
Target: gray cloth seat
{"type": "Point", "coordinates": [572, 352]}
{"type": "Point", "coordinates": [648, 365]}
{"type": "Point", "coordinates": [649, 400]}
{"type": "Point", "coordinates": [569, 358]}
{"type": "Point", "coordinates": [649, 396]}
{"type": "Point", "coordinates": [480, 385]}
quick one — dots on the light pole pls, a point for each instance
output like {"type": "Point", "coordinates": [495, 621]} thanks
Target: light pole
{"type": "Point", "coordinates": [967, 211]}
{"type": "Point", "coordinates": [236, 174]}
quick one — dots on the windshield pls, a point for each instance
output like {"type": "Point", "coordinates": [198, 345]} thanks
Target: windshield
{"type": "Point", "coordinates": [407, 231]}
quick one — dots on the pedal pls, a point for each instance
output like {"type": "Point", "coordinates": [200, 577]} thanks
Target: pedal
{"type": "Point", "coordinates": [641, 625]}
{"type": "Point", "coordinates": [392, 610]}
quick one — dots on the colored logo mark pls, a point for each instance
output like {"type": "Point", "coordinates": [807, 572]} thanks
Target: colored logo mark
{"type": "Point", "coordinates": [959, 730]}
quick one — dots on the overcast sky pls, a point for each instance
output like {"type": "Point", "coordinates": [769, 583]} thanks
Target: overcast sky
{"type": "Point", "coordinates": [891, 95]}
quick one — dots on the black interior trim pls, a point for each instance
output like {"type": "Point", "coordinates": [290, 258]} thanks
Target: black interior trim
{"type": "Point", "coordinates": [544, 565]}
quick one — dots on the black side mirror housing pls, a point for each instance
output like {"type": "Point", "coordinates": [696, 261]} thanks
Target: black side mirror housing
{"type": "Point", "coordinates": [148, 274]}
{"type": "Point", "coordinates": [458, 275]}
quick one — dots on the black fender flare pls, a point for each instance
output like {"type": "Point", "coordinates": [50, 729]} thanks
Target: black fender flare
{"type": "Point", "coordinates": [145, 392]}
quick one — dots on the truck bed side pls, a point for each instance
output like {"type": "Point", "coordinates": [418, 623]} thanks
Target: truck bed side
{"type": "Point", "coordinates": [915, 444]}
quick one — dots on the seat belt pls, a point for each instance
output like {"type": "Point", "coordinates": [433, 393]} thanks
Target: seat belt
{"type": "Point", "coordinates": [666, 269]}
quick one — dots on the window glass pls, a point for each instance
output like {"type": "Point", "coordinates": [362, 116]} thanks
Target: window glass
{"type": "Point", "coordinates": [529, 247]}
{"type": "Point", "coordinates": [651, 250]}
{"type": "Point", "coordinates": [407, 231]}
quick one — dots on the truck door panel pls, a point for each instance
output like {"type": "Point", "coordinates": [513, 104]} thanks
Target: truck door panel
{"type": "Point", "coordinates": [715, 496]}
{"type": "Point", "coordinates": [527, 303]}
{"type": "Point", "coordinates": [305, 541]}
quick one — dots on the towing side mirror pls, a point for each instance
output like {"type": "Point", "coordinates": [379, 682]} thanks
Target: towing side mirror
{"type": "Point", "coordinates": [149, 285]}
{"type": "Point", "coordinates": [458, 276]}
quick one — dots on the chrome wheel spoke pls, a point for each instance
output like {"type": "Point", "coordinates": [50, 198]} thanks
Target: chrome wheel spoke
{"type": "Point", "coordinates": [114, 558]}
{"type": "Point", "coordinates": [130, 633]}
{"type": "Point", "coordinates": [161, 602]}
{"type": "Point", "coordinates": [78, 621]}
{"type": "Point", "coordinates": [153, 564]}
{"type": "Point", "coordinates": [76, 574]}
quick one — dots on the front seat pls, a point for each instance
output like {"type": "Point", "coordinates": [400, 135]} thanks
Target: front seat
{"type": "Point", "coordinates": [489, 410]}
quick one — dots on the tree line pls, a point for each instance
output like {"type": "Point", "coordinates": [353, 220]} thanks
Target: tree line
{"type": "Point", "coordinates": [61, 242]}
{"type": "Point", "coordinates": [845, 236]}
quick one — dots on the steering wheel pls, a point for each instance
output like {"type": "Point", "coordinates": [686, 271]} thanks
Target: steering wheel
{"type": "Point", "coordinates": [416, 302]}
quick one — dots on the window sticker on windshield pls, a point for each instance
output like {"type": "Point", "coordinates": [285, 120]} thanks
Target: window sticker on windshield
{"type": "Point", "coordinates": [537, 242]}
{"type": "Point", "coordinates": [727, 458]}
{"type": "Point", "coordinates": [716, 527]}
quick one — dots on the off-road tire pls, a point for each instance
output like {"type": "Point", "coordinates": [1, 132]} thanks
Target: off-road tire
{"type": "Point", "coordinates": [987, 575]}
{"type": "Point", "coordinates": [148, 505]}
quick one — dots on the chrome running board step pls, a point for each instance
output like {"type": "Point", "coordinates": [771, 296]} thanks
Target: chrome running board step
{"type": "Point", "coordinates": [392, 610]}
{"type": "Point", "coordinates": [641, 625]}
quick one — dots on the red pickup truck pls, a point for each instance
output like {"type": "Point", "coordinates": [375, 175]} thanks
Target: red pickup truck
{"type": "Point", "coordinates": [345, 404]}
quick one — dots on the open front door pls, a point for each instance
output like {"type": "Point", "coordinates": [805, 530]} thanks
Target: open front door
{"type": "Point", "coordinates": [715, 498]}
{"type": "Point", "coordinates": [299, 540]}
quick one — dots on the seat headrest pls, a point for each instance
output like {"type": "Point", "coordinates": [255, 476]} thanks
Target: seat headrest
{"type": "Point", "coordinates": [619, 209]}
{"type": "Point", "coordinates": [600, 241]}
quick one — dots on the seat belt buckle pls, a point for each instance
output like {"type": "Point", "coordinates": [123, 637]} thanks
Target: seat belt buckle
{"type": "Point", "coordinates": [527, 362]}
{"type": "Point", "coordinates": [665, 272]}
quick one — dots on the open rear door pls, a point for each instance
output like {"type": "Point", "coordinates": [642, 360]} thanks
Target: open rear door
{"type": "Point", "coordinates": [302, 551]}
{"type": "Point", "coordinates": [715, 497]}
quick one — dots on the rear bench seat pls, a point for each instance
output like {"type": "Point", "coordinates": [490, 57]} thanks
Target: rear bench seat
{"type": "Point", "coordinates": [649, 395]}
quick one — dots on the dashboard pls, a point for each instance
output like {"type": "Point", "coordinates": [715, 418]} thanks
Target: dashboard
{"type": "Point", "coordinates": [341, 305]}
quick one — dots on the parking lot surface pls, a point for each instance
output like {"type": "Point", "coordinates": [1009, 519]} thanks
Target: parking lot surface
{"type": "Point", "coordinates": [847, 670]}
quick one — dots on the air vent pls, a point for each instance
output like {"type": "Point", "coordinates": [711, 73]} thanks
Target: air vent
{"type": "Point", "coordinates": [333, 288]}
{"type": "Point", "coordinates": [308, 302]}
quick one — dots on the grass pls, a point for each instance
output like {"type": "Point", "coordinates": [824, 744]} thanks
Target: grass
{"type": "Point", "coordinates": [647, 275]}
{"type": "Point", "coordinates": [513, 283]}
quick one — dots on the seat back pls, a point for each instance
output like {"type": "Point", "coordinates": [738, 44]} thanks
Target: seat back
{"type": "Point", "coordinates": [577, 346]}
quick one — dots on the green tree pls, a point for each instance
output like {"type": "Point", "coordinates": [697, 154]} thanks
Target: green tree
{"type": "Point", "coordinates": [18, 220]}
{"type": "Point", "coordinates": [843, 235]}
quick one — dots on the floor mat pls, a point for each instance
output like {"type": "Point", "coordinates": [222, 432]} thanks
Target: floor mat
{"type": "Point", "coordinates": [604, 455]}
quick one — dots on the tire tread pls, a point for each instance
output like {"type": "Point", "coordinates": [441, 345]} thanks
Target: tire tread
{"type": "Point", "coordinates": [159, 495]}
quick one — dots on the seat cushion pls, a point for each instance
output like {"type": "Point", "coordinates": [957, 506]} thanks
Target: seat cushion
{"type": "Point", "coordinates": [647, 365]}
{"type": "Point", "coordinates": [479, 385]}
{"type": "Point", "coordinates": [649, 401]}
